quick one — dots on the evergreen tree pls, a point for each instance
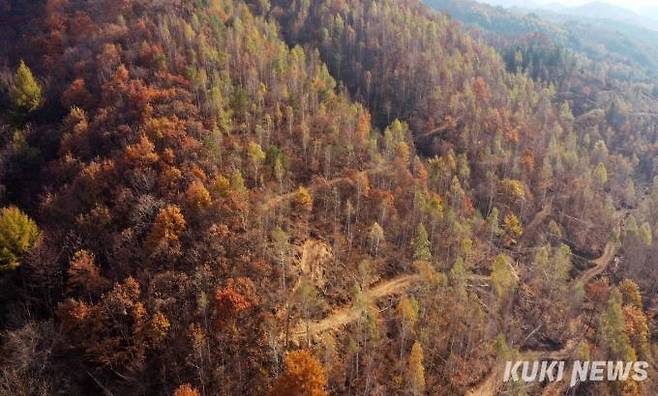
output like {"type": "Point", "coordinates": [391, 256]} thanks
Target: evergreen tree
{"type": "Point", "coordinates": [256, 157]}
{"type": "Point", "coordinates": [416, 370]}
{"type": "Point", "coordinates": [601, 175]}
{"type": "Point", "coordinates": [611, 329]}
{"type": "Point", "coordinates": [407, 311]}
{"type": "Point", "coordinates": [502, 277]}
{"type": "Point", "coordinates": [458, 278]}
{"type": "Point", "coordinates": [25, 92]}
{"type": "Point", "coordinates": [422, 245]}
{"type": "Point", "coordinates": [18, 234]}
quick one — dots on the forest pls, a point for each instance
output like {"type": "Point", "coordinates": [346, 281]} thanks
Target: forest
{"type": "Point", "coordinates": [320, 197]}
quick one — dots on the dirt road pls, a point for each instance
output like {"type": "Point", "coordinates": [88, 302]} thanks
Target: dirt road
{"type": "Point", "coordinates": [349, 314]}
{"type": "Point", "coordinates": [600, 264]}
{"type": "Point", "coordinates": [490, 384]}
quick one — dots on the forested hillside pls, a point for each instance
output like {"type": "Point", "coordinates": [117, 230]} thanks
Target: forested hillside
{"type": "Point", "coordinates": [223, 197]}
{"type": "Point", "coordinates": [627, 49]}
{"type": "Point", "coordinates": [601, 71]}
{"type": "Point", "coordinates": [609, 93]}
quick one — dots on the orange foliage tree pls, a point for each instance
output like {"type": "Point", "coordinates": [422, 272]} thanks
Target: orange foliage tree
{"type": "Point", "coordinates": [304, 375]}
{"type": "Point", "coordinates": [237, 296]}
{"type": "Point", "coordinates": [166, 230]}
{"type": "Point", "coordinates": [186, 390]}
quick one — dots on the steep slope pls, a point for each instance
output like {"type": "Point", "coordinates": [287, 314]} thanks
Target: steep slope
{"type": "Point", "coordinates": [504, 126]}
{"type": "Point", "coordinates": [166, 125]}
{"type": "Point", "coordinates": [204, 193]}
{"type": "Point", "coordinates": [631, 48]}
{"type": "Point", "coordinates": [613, 81]}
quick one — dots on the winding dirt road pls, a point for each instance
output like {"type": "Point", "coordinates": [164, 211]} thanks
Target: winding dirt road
{"type": "Point", "coordinates": [490, 384]}
{"type": "Point", "coordinates": [401, 284]}
{"type": "Point", "coordinates": [600, 264]}
{"type": "Point", "coordinates": [350, 313]}
{"type": "Point", "coordinates": [394, 286]}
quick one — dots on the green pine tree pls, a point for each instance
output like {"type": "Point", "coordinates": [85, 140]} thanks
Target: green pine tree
{"type": "Point", "coordinates": [25, 93]}
{"type": "Point", "coordinates": [612, 329]}
{"type": "Point", "coordinates": [421, 245]}
{"type": "Point", "coordinates": [18, 234]}
{"type": "Point", "coordinates": [502, 277]}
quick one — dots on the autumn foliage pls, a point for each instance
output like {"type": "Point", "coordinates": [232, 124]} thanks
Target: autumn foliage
{"type": "Point", "coordinates": [307, 197]}
{"type": "Point", "coordinates": [303, 375]}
